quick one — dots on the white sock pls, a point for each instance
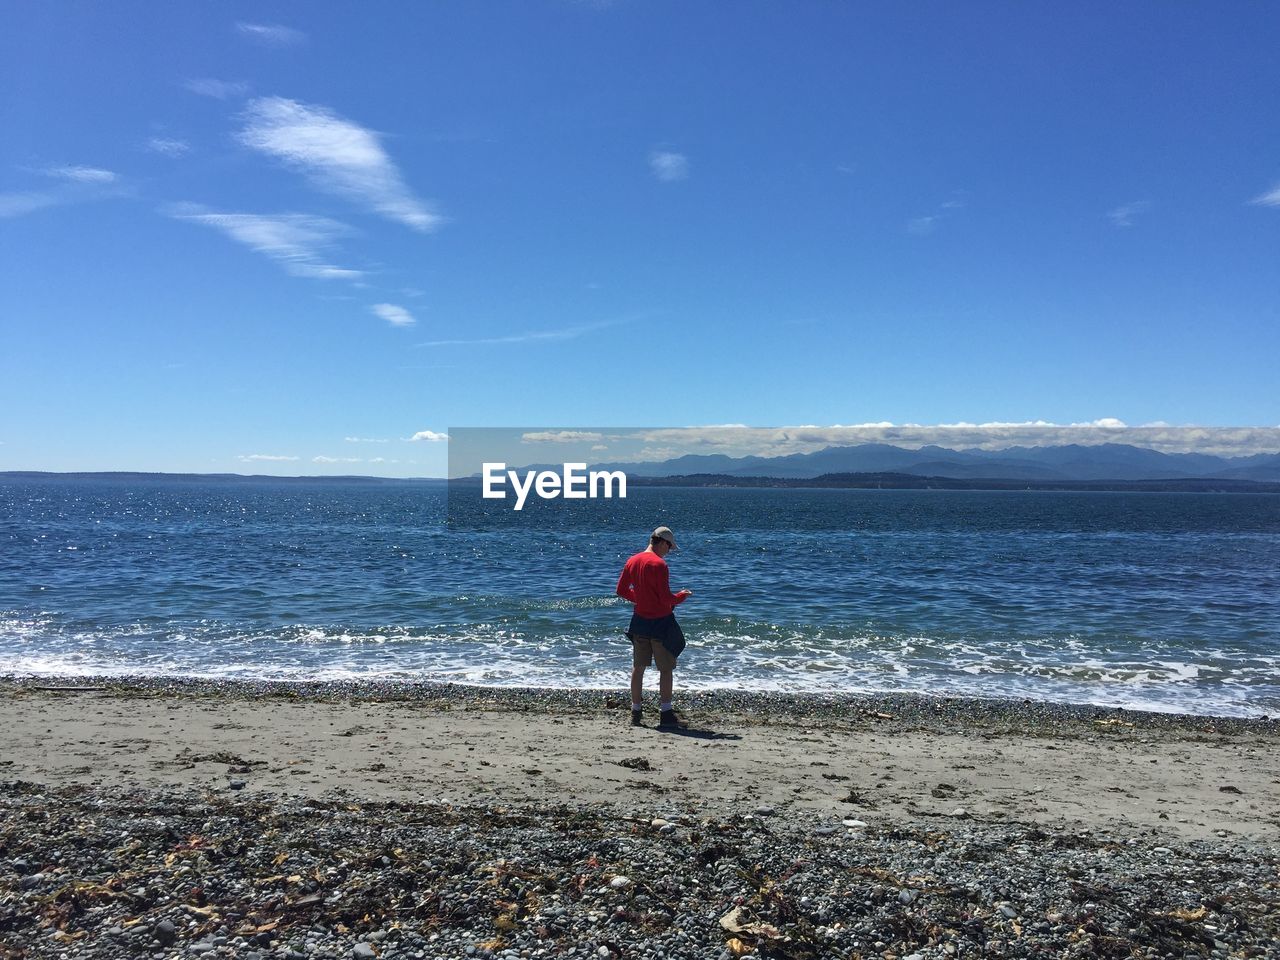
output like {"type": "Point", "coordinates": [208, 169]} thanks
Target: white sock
{"type": "Point", "coordinates": [667, 705]}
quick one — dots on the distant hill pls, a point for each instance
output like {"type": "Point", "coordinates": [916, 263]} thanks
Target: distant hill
{"type": "Point", "coordinates": [907, 481]}
{"type": "Point", "coordinates": [200, 477]}
{"type": "Point", "coordinates": [1070, 462]}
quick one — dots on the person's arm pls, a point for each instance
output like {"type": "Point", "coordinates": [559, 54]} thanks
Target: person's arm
{"type": "Point", "coordinates": [626, 590]}
{"type": "Point", "coordinates": [664, 588]}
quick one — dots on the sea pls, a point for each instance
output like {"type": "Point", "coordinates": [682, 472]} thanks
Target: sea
{"type": "Point", "coordinates": [1159, 601]}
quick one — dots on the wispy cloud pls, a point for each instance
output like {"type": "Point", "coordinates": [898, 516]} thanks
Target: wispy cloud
{"type": "Point", "coordinates": [395, 315]}
{"type": "Point", "coordinates": [922, 226]}
{"type": "Point", "coordinates": [217, 89]}
{"type": "Point", "coordinates": [928, 224]}
{"type": "Point", "coordinates": [668, 166]}
{"type": "Point", "coordinates": [1122, 216]}
{"type": "Point", "coordinates": [79, 174]}
{"type": "Point", "coordinates": [337, 460]}
{"type": "Point", "coordinates": [168, 146]}
{"type": "Point", "coordinates": [364, 440]}
{"type": "Point", "coordinates": [428, 436]}
{"type": "Point", "coordinates": [566, 333]}
{"type": "Point", "coordinates": [339, 156]}
{"type": "Point", "coordinates": [296, 241]}
{"type": "Point", "coordinates": [270, 457]}
{"type": "Point", "coordinates": [1269, 199]}
{"type": "Point", "coordinates": [76, 183]}
{"type": "Point", "coordinates": [20, 204]}
{"type": "Point", "coordinates": [561, 436]}
{"type": "Point", "coordinates": [271, 34]}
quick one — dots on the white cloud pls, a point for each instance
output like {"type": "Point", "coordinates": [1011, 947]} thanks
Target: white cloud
{"type": "Point", "coordinates": [337, 460]}
{"type": "Point", "coordinates": [271, 34]}
{"type": "Point", "coordinates": [363, 440]}
{"type": "Point", "coordinates": [922, 226]}
{"type": "Point", "coordinates": [168, 146]}
{"type": "Point", "coordinates": [217, 89]}
{"type": "Point", "coordinates": [337, 155]}
{"type": "Point", "coordinates": [561, 436]}
{"type": "Point", "coordinates": [565, 333]}
{"type": "Point", "coordinates": [998, 435]}
{"type": "Point", "coordinates": [1269, 199]}
{"type": "Point", "coordinates": [265, 456]}
{"type": "Point", "coordinates": [1122, 216]}
{"type": "Point", "coordinates": [429, 436]}
{"type": "Point", "coordinates": [599, 446]}
{"type": "Point", "coordinates": [295, 241]}
{"type": "Point", "coordinates": [79, 174]}
{"type": "Point", "coordinates": [395, 315]}
{"type": "Point", "coordinates": [668, 166]}
{"type": "Point", "coordinates": [18, 204]}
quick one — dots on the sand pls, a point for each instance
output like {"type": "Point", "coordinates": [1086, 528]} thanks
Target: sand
{"type": "Point", "coordinates": [866, 759]}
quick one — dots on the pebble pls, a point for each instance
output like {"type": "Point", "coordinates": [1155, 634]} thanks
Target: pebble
{"type": "Point", "coordinates": [442, 874]}
{"type": "Point", "coordinates": [165, 932]}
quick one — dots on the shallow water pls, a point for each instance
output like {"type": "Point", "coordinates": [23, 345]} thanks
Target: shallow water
{"type": "Point", "coordinates": [1164, 601]}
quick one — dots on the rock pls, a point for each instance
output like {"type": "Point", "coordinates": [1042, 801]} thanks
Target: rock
{"type": "Point", "coordinates": [823, 831]}
{"type": "Point", "coordinates": [765, 811]}
{"type": "Point", "coordinates": [31, 881]}
{"type": "Point", "coordinates": [237, 784]}
{"type": "Point", "coordinates": [364, 951]}
{"type": "Point", "coordinates": [1007, 911]}
{"type": "Point", "coordinates": [854, 824]}
{"type": "Point", "coordinates": [165, 932]}
{"type": "Point", "coordinates": [602, 952]}
{"type": "Point", "coordinates": [906, 897]}
{"type": "Point", "coordinates": [960, 812]}
{"type": "Point", "coordinates": [620, 883]}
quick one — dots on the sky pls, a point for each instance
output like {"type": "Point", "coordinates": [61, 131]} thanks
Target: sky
{"type": "Point", "coordinates": [313, 238]}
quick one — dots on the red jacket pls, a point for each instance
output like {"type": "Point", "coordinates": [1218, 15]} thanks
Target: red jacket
{"type": "Point", "coordinates": [645, 583]}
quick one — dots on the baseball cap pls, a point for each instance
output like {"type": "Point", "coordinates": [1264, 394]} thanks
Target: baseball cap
{"type": "Point", "coordinates": [664, 533]}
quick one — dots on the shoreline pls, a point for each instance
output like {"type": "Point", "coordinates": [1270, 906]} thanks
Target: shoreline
{"type": "Point", "coordinates": [762, 705]}
{"type": "Point", "coordinates": [300, 820]}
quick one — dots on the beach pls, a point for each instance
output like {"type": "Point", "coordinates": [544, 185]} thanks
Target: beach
{"type": "Point", "coordinates": [179, 818]}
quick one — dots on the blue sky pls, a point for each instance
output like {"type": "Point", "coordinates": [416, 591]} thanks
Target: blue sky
{"type": "Point", "coordinates": [233, 232]}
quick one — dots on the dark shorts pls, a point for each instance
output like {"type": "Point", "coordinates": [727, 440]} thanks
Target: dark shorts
{"type": "Point", "coordinates": [663, 632]}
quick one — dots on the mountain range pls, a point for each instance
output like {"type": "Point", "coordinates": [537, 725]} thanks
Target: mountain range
{"type": "Point", "coordinates": [1071, 462]}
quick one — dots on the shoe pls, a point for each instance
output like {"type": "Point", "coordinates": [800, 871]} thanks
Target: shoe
{"type": "Point", "coordinates": [635, 719]}
{"type": "Point", "coordinates": [670, 720]}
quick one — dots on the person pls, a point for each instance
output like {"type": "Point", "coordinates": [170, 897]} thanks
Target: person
{"type": "Point", "coordinates": [655, 636]}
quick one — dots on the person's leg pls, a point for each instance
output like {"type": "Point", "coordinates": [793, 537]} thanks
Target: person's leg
{"type": "Point", "coordinates": [666, 683]}
{"type": "Point", "coordinates": [641, 657]}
